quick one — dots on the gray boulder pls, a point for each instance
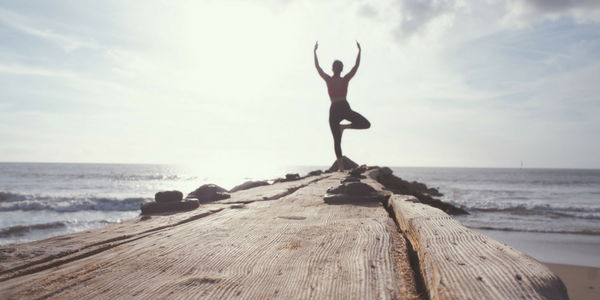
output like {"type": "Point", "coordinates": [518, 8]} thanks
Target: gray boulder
{"type": "Point", "coordinates": [358, 189]}
{"type": "Point", "coordinates": [168, 196]}
{"type": "Point", "coordinates": [352, 188]}
{"type": "Point", "coordinates": [315, 173]}
{"type": "Point", "coordinates": [354, 192]}
{"type": "Point", "coordinates": [356, 172]}
{"type": "Point", "coordinates": [208, 193]}
{"type": "Point", "coordinates": [348, 164]}
{"type": "Point", "coordinates": [292, 176]}
{"type": "Point", "coordinates": [165, 207]}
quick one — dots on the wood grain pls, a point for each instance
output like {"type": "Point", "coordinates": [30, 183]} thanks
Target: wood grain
{"type": "Point", "coordinates": [270, 242]}
{"type": "Point", "coordinates": [459, 263]}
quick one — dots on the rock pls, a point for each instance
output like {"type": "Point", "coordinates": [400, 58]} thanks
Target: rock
{"type": "Point", "coordinates": [336, 190]}
{"type": "Point", "coordinates": [248, 185]}
{"type": "Point", "coordinates": [417, 189]}
{"type": "Point", "coordinates": [315, 173]}
{"type": "Point", "coordinates": [352, 188]}
{"type": "Point", "coordinates": [168, 196]}
{"type": "Point", "coordinates": [434, 192]}
{"type": "Point", "coordinates": [353, 192]}
{"type": "Point", "coordinates": [358, 189]}
{"type": "Point", "coordinates": [358, 170]}
{"type": "Point", "coordinates": [208, 193]}
{"type": "Point", "coordinates": [292, 177]}
{"type": "Point", "coordinates": [288, 177]}
{"type": "Point", "coordinates": [446, 207]}
{"type": "Point", "coordinates": [348, 164]}
{"type": "Point", "coordinates": [385, 171]}
{"type": "Point", "coordinates": [163, 207]}
{"type": "Point", "coordinates": [422, 188]}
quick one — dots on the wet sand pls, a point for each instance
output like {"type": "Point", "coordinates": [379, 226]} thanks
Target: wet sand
{"type": "Point", "coordinates": [556, 248]}
{"type": "Point", "coordinates": [582, 282]}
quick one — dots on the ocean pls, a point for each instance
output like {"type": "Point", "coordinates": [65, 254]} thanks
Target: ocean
{"type": "Point", "coordinates": [41, 200]}
{"type": "Point", "coordinates": [521, 200]}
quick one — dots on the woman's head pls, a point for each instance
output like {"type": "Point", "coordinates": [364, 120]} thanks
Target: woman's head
{"type": "Point", "coordinates": [337, 67]}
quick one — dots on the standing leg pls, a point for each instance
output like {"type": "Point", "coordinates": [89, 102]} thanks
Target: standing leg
{"type": "Point", "coordinates": [334, 125]}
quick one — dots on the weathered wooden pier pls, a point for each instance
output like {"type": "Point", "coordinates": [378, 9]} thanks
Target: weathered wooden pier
{"type": "Point", "coordinates": [280, 241]}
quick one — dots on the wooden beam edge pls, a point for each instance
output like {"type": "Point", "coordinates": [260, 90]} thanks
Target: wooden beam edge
{"type": "Point", "coordinates": [438, 240]}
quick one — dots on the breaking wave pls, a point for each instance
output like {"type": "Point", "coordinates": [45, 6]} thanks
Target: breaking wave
{"type": "Point", "coordinates": [579, 212]}
{"type": "Point", "coordinates": [21, 230]}
{"type": "Point", "coordinates": [584, 231]}
{"type": "Point", "coordinates": [12, 202]}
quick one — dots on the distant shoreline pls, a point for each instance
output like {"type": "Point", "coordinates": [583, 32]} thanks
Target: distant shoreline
{"type": "Point", "coordinates": [315, 166]}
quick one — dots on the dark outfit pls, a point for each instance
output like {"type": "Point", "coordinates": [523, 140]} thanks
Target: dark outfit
{"type": "Point", "coordinates": [337, 88]}
{"type": "Point", "coordinates": [339, 111]}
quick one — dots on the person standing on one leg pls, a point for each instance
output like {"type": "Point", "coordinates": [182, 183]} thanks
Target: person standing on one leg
{"type": "Point", "coordinates": [337, 87]}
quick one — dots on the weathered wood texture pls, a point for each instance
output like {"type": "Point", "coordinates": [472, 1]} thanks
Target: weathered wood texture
{"type": "Point", "coordinates": [459, 263]}
{"type": "Point", "coordinates": [33, 253]}
{"type": "Point", "coordinates": [271, 242]}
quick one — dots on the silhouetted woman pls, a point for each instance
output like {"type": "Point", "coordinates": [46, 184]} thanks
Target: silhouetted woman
{"type": "Point", "coordinates": [337, 87]}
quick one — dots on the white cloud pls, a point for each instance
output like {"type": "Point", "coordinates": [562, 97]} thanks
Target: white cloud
{"type": "Point", "coordinates": [28, 26]}
{"type": "Point", "coordinates": [418, 15]}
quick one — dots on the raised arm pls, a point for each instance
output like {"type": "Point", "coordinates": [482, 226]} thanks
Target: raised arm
{"type": "Point", "coordinates": [355, 68]}
{"type": "Point", "coordinates": [321, 73]}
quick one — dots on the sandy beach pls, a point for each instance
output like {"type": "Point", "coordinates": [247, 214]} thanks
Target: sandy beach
{"type": "Point", "coordinates": [582, 282]}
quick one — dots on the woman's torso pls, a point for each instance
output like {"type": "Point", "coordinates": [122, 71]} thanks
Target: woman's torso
{"type": "Point", "coordinates": [337, 87]}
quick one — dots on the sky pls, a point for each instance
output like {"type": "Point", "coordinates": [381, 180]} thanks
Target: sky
{"type": "Point", "coordinates": [451, 83]}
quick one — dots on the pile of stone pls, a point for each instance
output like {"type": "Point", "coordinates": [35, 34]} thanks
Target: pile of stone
{"type": "Point", "coordinates": [425, 195]}
{"type": "Point", "coordinates": [168, 201]}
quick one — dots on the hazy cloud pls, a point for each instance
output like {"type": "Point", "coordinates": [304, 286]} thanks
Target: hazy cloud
{"type": "Point", "coordinates": [367, 10]}
{"type": "Point", "coordinates": [533, 10]}
{"type": "Point", "coordinates": [558, 5]}
{"type": "Point", "coordinates": [24, 24]}
{"type": "Point", "coordinates": [418, 14]}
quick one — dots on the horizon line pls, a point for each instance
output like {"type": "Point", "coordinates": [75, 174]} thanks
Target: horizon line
{"type": "Point", "coordinates": [313, 165]}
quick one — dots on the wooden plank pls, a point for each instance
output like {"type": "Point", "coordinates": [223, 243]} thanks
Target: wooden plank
{"type": "Point", "coordinates": [62, 247]}
{"type": "Point", "coordinates": [459, 263]}
{"type": "Point", "coordinates": [292, 247]}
